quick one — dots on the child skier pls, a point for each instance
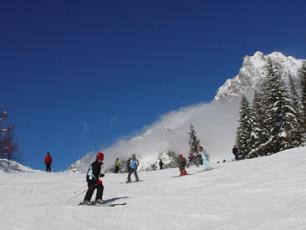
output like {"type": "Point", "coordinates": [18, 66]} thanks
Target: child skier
{"type": "Point", "coordinates": [182, 165]}
{"type": "Point", "coordinates": [134, 163]}
{"type": "Point", "coordinates": [93, 181]}
{"type": "Point", "coordinates": [205, 157]}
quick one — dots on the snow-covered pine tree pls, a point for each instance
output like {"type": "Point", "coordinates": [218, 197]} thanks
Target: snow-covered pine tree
{"type": "Point", "coordinates": [8, 145]}
{"type": "Point", "coordinates": [279, 112]}
{"type": "Point", "coordinates": [259, 133]}
{"type": "Point", "coordinates": [193, 141]}
{"type": "Point", "coordinates": [302, 76]}
{"type": "Point", "coordinates": [244, 131]}
{"type": "Point", "coordinates": [296, 134]}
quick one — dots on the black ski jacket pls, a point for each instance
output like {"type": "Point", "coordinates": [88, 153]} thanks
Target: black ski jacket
{"type": "Point", "coordinates": [94, 171]}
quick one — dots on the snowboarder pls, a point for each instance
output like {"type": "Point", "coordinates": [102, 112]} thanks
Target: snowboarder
{"type": "Point", "coordinates": [205, 157]}
{"type": "Point", "coordinates": [182, 165]}
{"type": "Point", "coordinates": [93, 180]}
{"type": "Point", "coordinates": [48, 162]}
{"type": "Point", "coordinates": [235, 151]}
{"type": "Point", "coordinates": [117, 165]}
{"type": "Point", "coordinates": [134, 163]}
{"type": "Point", "coordinates": [161, 164]}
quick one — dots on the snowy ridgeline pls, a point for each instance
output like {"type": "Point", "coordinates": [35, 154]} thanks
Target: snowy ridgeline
{"type": "Point", "coordinates": [12, 166]}
{"type": "Point", "coordinates": [263, 193]}
{"type": "Point", "coordinates": [215, 122]}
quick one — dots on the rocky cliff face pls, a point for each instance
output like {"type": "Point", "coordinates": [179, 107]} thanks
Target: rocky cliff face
{"type": "Point", "coordinates": [251, 74]}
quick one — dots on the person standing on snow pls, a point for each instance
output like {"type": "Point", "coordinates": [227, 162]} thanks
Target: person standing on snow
{"type": "Point", "coordinates": [205, 157]}
{"type": "Point", "coordinates": [117, 165]}
{"type": "Point", "coordinates": [48, 162]}
{"type": "Point", "coordinates": [93, 180]}
{"type": "Point", "coordinates": [161, 164]}
{"type": "Point", "coordinates": [128, 165]}
{"type": "Point", "coordinates": [182, 165]}
{"type": "Point", "coordinates": [235, 151]}
{"type": "Point", "coordinates": [134, 163]}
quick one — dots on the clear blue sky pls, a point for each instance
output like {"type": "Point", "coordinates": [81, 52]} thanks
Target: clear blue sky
{"type": "Point", "coordinates": [77, 75]}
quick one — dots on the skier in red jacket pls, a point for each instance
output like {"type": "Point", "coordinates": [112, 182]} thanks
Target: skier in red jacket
{"type": "Point", "coordinates": [48, 162]}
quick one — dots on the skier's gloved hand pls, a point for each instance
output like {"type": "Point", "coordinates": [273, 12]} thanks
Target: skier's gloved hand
{"type": "Point", "coordinates": [99, 182]}
{"type": "Point", "coordinates": [102, 175]}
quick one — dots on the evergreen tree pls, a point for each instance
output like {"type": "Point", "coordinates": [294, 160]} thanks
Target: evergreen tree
{"type": "Point", "coordinates": [8, 146]}
{"type": "Point", "coordinates": [193, 141]}
{"type": "Point", "coordinates": [279, 110]}
{"type": "Point", "coordinates": [259, 133]}
{"type": "Point", "coordinates": [244, 131]}
{"type": "Point", "coordinates": [302, 75]}
{"type": "Point", "coordinates": [296, 134]}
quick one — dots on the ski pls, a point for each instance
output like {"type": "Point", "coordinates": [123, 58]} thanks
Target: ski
{"type": "Point", "coordinates": [107, 204]}
{"type": "Point", "coordinates": [131, 182]}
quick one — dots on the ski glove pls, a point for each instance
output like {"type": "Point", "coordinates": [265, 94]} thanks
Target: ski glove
{"type": "Point", "coordinates": [102, 175]}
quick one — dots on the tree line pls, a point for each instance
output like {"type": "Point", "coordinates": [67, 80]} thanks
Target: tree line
{"type": "Point", "coordinates": [276, 119]}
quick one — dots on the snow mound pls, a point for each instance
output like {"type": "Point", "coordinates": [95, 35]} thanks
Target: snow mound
{"type": "Point", "coordinates": [13, 166]}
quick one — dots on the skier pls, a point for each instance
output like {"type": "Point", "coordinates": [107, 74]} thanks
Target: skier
{"type": "Point", "coordinates": [134, 163]}
{"type": "Point", "coordinates": [117, 165]}
{"type": "Point", "coordinates": [128, 165]}
{"type": "Point", "coordinates": [48, 162]}
{"type": "Point", "coordinates": [161, 164]}
{"type": "Point", "coordinates": [235, 151]}
{"type": "Point", "coordinates": [205, 157]}
{"type": "Point", "coordinates": [93, 180]}
{"type": "Point", "coordinates": [191, 159]}
{"type": "Point", "coordinates": [182, 165]}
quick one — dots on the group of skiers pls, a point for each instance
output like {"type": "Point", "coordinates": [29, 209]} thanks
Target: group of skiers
{"type": "Point", "coordinates": [202, 156]}
{"type": "Point", "coordinates": [93, 175]}
{"type": "Point", "coordinates": [94, 172]}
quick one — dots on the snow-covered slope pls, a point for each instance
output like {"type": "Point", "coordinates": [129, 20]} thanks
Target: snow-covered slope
{"type": "Point", "coordinates": [258, 194]}
{"type": "Point", "coordinates": [13, 166]}
{"type": "Point", "coordinates": [214, 122]}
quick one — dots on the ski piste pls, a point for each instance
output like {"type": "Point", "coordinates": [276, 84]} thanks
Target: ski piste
{"type": "Point", "coordinates": [101, 205]}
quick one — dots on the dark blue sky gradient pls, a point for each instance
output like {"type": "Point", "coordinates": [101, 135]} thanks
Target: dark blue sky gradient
{"type": "Point", "coordinates": [78, 75]}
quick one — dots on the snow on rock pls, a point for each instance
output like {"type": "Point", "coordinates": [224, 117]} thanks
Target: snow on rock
{"type": "Point", "coordinates": [250, 75]}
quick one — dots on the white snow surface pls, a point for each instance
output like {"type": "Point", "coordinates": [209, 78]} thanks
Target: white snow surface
{"type": "Point", "coordinates": [13, 167]}
{"type": "Point", "coordinates": [258, 194]}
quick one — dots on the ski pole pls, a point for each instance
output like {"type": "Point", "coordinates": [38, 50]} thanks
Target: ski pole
{"type": "Point", "coordinates": [78, 190]}
{"type": "Point", "coordinates": [79, 194]}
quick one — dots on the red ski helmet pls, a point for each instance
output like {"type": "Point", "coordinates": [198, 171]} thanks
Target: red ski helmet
{"type": "Point", "coordinates": [100, 156]}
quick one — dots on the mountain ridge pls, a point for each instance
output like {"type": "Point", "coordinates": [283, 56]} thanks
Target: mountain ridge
{"type": "Point", "coordinates": [213, 121]}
